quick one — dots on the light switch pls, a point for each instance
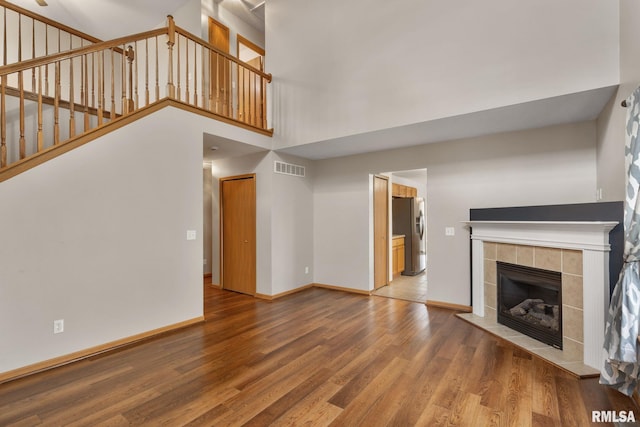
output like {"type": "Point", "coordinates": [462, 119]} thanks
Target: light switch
{"type": "Point", "coordinates": [191, 234]}
{"type": "Point", "coordinates": [449, 231]}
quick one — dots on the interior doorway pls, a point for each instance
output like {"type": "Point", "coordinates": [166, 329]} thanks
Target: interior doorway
{"type": "Point", "coordinates": [220, 67]}
{"type": "Point", "coordinates": [409, 236]}
{"type": "Point", "coordinates": [251, 87]}
{"type": "Point", "coordinates": [238, 233]}
{"type": "Point", "coordinates": [380, 231]}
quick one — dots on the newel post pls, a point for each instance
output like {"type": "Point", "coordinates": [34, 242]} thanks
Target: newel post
{"type": "Point", "coordinates": [130, 54]}
{"type": "Point", "coordinates": [171, 89]}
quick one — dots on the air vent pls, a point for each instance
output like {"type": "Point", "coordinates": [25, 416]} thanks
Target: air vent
{"type": "Point", "coordinates": [288, 169]}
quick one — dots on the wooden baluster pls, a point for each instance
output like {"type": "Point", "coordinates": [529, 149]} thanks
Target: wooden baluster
{"type": "Point", "coordinates": [113, 87]}
{"type": "Point", "coordinates": [227, 80]}
{"type": "Point", "coordinates": [56, 106]}
{"type": "Point", "coordinates": [3, 120]}
{"type": "Point", "coordinates": [72, 102]}
{"type": "Point", "coordinates": [40, 118]}
{"type": "Point", "coordinates": [241, 94]}
{"type": "Point", "coordinates": [146, 72]}
{"type": "Point", "coordinates": [4, 39]}
{"type": "Point", "coordinates": [136, 100]}
{"type": "Point", "coordinates": [264, 102]}
{"type": "Point", "coordinates": [178, 67]}
{"type": "Point", "coordinates": [171, 89]}
{"type": "Point", "coordinates": [195, 74]}
{"type": "Point", "coordinates": [85, 97]}
{"type": "Point", "coordinates": [186, 50]}
{"type": "Point", "coordinates": [46, 68]}
{"type": "Point", "coordinates": [19, 37]}
{"type": "Point", "coordinates": [23, 148]}
{"type": "Point", "coordinates": [33, 54]}
{"type": "Point", "coordinates": [157, 71]}
{"type": "Point", "coordinates": [130, 58]}
{"type": "Point", "coordinates": [246, 102]}
{"type": "Point", "coordinates": [217, 70]}
{"type": "Point", "coordinates": [93, 78]}
{"type": "Point", "coordinates": [123, 80]}
{"type": "Point", "coordinates": [252, 97]}
{"type": "Point", "coordinates": [205, 54]}
{"type": "Point", "coordinates": [100, 87]}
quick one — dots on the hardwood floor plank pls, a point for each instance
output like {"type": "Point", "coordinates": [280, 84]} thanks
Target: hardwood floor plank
{"type": "Point", "coordinates": [314, 409]}
{"type": "Point", "coordinates": [357, 409]}
{"type": "Point", "coordinates": [290, 399]}
{"type": "Point", "coordinates": [544, 402]}
{"type": "Point", "coordinates": [318, 357]}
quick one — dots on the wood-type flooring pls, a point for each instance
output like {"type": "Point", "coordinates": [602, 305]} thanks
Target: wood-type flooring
{"type": "Point", "coordinates": [318, 357]}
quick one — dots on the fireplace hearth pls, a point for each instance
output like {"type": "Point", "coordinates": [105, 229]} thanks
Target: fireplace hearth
{"type": "Point", "coordinates": [530, 301]}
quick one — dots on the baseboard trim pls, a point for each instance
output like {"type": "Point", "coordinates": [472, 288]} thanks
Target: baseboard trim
{"type": "Point", "coordinates": [283, 294]}
{"type": "Point", "coordinates": [93, 351]}
{"type": "Point", "coordinates": [207, 275]}
{"type": "Point", "coordinates": [340, 288]}
{"type": "Point", "coordinates": [449, 306]}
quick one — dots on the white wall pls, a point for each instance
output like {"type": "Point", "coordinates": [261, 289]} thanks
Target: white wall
{"type": "Point", "coordinates": [207, 213]}
{"type": "Point", "coordinates": [292, 225]}
{"type": "Point", "coordinates": [541, 166]}
{"type": "Point", "coordinates": [97, 237]}
{"type": "Point", "coordinates": [439, 59]}
{"type": "Point", "coordinates": [187, 17]}
{"type": "Point", "coordinates": [284, 221]}
{"type": "Point", "coordinates": [612, 121]}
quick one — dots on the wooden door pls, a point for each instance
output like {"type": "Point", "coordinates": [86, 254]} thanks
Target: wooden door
{"type": "Point", "coordinates": [380, 231]}
{"type": "Point", "coordinates": [250, 84]}
{"type": "Point", "coordinates": [220, 69]}
{"type": "Point", "coordinates": [238, 233]}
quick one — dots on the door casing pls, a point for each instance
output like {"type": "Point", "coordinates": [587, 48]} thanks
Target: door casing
{"type": "Point", "coordinates": [238, 233]}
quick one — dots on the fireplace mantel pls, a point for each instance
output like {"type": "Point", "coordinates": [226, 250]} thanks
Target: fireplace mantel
{"type": "Point", "coordinates": [590, 237]}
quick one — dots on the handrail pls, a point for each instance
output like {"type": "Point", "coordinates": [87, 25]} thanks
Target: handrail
{"type": "Point", "coordinates": [48, 21]}
{"type": "Point", "coordinates": [55, 99]}
{"type": "Point", "coordinates": [28, 35]}
{"type": "Point", "coordinates": [79, 51]}
{"type": "Point", "coordinates": [226, 55]}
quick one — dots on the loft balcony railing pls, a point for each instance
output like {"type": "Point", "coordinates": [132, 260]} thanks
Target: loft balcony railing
{"type": "Point", "coordinates": [48, 102]}
{"type": "Point", "coordinates": [27, 35]}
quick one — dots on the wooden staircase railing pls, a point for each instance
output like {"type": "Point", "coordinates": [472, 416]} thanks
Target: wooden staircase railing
{"type": "Point", "coordinates": [93, 86]}
{"type": "Point", "coordinates": [27, 35]}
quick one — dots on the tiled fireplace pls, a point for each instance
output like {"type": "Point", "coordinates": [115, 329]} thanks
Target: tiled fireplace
{"type": "Point", "coordinates": [578, 251]}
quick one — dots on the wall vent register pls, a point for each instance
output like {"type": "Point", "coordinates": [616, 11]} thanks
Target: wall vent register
{"type": "Point", "coordinates": [288, 169]}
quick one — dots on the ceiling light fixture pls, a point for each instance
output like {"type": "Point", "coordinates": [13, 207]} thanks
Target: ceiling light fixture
{"type": "Point", "coordinates": [41, 2]}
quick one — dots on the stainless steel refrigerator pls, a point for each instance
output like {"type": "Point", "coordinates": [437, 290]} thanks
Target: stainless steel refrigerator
{"type": "Point", "coordinates": [408, 219]}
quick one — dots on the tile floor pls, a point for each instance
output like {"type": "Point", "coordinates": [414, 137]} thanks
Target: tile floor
{"type": "Point", "coordinates": [409, 288]}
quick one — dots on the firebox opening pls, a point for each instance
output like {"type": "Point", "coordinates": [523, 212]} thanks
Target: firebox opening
{"type": "Point", "coordinates": [530, 301]}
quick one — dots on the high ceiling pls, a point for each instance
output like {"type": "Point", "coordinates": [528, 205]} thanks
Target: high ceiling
{"type": "Point", "coordinates": [115, 18]}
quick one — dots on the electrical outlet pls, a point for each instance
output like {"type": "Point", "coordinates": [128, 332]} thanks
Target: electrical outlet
{"type": "Point", "coordinates": [306, 270]}
{"type": "Point", "coordinates": [58, 326]}
{"type": "Point", "coordinates": [204, 261]}
{"type": "Point", "coordinates": [191, 234]}
{"type": "Point", "coordinates": [449, 231]}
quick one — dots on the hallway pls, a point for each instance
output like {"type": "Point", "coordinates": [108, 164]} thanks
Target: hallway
{"type": "Point", "coordinates": [408, 288]}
